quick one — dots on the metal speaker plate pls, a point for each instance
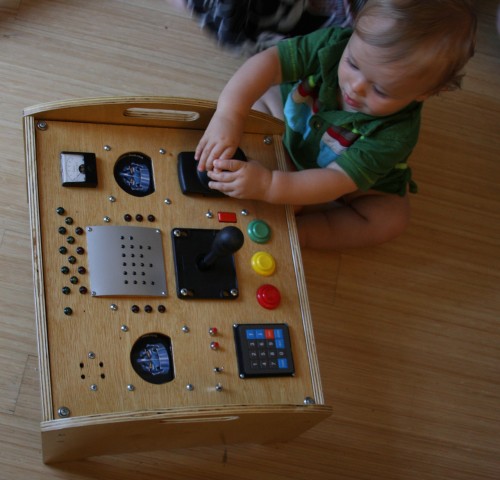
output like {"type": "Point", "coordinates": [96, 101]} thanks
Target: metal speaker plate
{"type": "Point", "coordinates": [126, 261]}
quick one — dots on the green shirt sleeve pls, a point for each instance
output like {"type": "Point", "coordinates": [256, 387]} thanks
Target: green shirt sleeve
{"type": "Point", "coordinates": [301, 57]}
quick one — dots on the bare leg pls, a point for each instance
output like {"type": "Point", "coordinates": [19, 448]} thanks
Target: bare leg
{"type": "Point", "coordinates": [365, 220]}
{"type": "Point", "coordinates": [271, 103]}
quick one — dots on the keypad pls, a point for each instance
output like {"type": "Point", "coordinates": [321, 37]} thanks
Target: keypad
{"type": "Point", "coordinates": [263, 350]}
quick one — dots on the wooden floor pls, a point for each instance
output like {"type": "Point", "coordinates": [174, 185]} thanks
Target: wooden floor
{"type": "Point", "coordinates": [408, 334]}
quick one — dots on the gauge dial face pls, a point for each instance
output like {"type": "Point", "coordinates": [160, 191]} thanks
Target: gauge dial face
{"type": "Point", "coordinates": [78, 169]}
{"type": "Point", "coordinates": [72, 167]}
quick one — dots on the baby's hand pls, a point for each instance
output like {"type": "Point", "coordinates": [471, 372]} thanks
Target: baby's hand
{"type": "Point", "coordinates": [247, 180]}
{"type": "Point", "coordinates": [220, 140]}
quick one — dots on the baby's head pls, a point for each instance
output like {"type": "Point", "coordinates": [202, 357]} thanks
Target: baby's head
{"type": "Point", "coordinates": [435, 37]}
{"type": "Point", "coordinates": [403, 51]}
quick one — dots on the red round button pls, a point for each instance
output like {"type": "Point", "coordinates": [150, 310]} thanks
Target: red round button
{"type": "Point", "coordinates": [268, 296]}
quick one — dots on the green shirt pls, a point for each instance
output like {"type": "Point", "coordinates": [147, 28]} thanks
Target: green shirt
{"type": "Point", "coordinates": [372, 150]}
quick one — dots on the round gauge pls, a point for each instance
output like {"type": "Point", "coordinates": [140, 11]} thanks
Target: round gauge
{"type": "Point", "coordinates": [151, 358]}
{"type": "Point", "coordinates": [134, 173]}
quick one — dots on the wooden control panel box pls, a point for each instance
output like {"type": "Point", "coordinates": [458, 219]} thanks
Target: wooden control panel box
{"type": "Point", "coordinates": [166, 317]}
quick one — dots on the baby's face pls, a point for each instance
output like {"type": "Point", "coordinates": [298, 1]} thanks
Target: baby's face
{"type": "Point", "coordinates": [369, 84]}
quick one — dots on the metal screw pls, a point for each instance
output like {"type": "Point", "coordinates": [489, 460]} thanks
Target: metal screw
{"type": "Point", "coordinates": [162, 151]}
{"type": "Point", "coordinates": [42, 125]}
{"type": "Point", "coordinates": [268, 140]}
{"type": "Point", "coordinates": [309, 401]}
{"type": "Point", "coordinates": [234, 292]}
{"type": "Point", "coordinates": [113, 307]}
{"type": "Point", "coordinates": [63, 412]}
{"type": "Point", "coordinates": [185, 329]}
{"type": "Point", "coordinates": [209, 214]}
{"type": "Point", "coordinates": [93, 387]}
{"type": "Point", "coordinates": [190, 387]}
{"type": "Point", "coordinates": [124, 328]}
{"type": "Point", "coordinates": [130, 387]}
{"type": "Point", "coordinates": [219, 387]}
{"type": "Point", "coordinates": [218, 369]}
{"type": "Point", "coordinates": [112, 199]}
{"type": "Point", "coordinates": [107, 219]}
{"type": "Point", "coordinates": [91, 355]}
{"type": "Point", "coordinates": [89, 229]}
{"type": "Point", "coordinates": [244, 212]}
{"type": "Point", "coordinates": [107, 148]}
{"type": "Point", "coordinates": [167, 201]}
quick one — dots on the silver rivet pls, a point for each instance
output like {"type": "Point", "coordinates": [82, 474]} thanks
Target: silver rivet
{"type": "Point", "coordinates": [107, 148]}
{"type": "Point", "coordinates": [309, 401]}
{"type": "Point", "coordinates": [190, 387]}
{"type": "Point", "coordinates": [185, 329]}
{"type": "Point", "coordinates": [167, 201]}
{"type": "Point", "coordinates": [130, 387]}
{"type": "Point", "coordinates": [218, 369]}
{"type": "Point", "coordinates": [42, 125]}
{"type": "Point", "coordinates": [234, 292]}
{"type": "Point", "coordinates": [63, 412]}
{"type": "Point", "coordinates": [124, 328]}
{"type": "Point", "coordinates": [209, 214]}
{"type": "Point", "coordinates": [107, 219]}
{"type": "Point", "coordinates": [93, 293]}
{"type": "Point", "coordinates": [219, 387]}
{"type": "Point", "coordinates": [268, 140]}
{"type": "Point", "coordinates": [162, 151]}
{"type": "Point", "coordinates": [114, 307]}
{"type": "Point", "coordinates": [89, 229]}
{"type": "Point", "coordinates": [93, 387]}
{"type": "Point", "coordinates": [91, 355]}
{"type": "Point", "coordinates": [244, 212]}
{"type": "Point", "coordinates": [112, 199]}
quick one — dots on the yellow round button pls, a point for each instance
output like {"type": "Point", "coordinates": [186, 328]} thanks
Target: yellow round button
{"type": "Point", "coordinates": [263, 263]}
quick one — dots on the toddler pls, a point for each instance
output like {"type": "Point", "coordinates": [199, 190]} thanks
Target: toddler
{"type": "Point", "coordinates": [351, 102]}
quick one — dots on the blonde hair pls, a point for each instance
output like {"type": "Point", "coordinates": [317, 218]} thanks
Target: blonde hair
{"type": "Point", "coordinates": [441, 32]}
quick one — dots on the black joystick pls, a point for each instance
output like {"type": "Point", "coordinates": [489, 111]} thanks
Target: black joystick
{"type": "Point", "coordinates": [227, 241]}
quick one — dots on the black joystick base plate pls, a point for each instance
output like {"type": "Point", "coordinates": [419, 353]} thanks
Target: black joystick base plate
{"type": "Point", "coordinates": [217, 282]}
{"type": "Point", "coordinates": [191, 180]}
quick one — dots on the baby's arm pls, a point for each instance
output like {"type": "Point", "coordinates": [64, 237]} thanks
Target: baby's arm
{"type": "Point", "coordinates": [251, 180]}
{"type": "Point", "coordinates": [247, 85]}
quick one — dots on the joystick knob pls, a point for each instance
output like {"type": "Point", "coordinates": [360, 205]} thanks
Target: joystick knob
{"type": "Point", "coordinates": [227, 241]}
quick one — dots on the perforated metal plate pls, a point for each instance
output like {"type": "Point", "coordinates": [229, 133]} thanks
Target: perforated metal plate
{"type": "Point", "coordinates": [126, 261]}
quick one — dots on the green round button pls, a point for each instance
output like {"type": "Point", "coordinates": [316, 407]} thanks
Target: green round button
{"type": "Point", "coordinates": [259, 231]}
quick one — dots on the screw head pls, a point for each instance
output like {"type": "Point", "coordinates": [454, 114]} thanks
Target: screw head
{"type": "Point", "coordinates": [63, 412]}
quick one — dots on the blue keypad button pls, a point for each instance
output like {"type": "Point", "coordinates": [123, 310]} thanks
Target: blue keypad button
{"type": "Point", "coordinates": [260, 334]}
{"type": "Point", "coordinates": [280, 343]}
{"type": "Point", "coordinates": [278, 333]}
{"type": "Point", "coordinates": [250, 335]}
{"type": "Point", "coordinates": [282, 363]}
